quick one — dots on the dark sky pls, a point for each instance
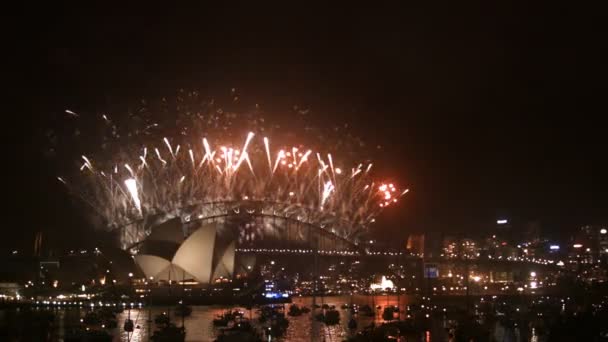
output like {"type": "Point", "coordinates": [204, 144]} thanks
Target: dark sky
{"type": "Point", "coordinates": [485, 110]}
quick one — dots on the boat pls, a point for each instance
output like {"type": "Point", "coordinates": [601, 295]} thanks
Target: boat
{"type": "Point", "coordinates": [367, 310]}
{"type": "Point", "coordinates": [220, 322]}
{"type": "Point", "coordinates": [224, 319]}
{"type": "Point", "coordinates": [332, 317]}
{"type": "Point", "coordinates": [278, 326]}
{"type": "Point", "coordinates": [128, 326]}
{"type": "Point", "coordinates": [389, 313]}
{"type": "Point", "coordinates": [169, 333]}
{"type": "Point", "coordinates": [162, 319]}
{"type": "Point", "coordinates": [294, 310]}
{"type": "Point", "coordinates": [242, 325]}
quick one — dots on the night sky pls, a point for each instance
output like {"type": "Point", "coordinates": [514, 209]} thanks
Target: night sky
{"type": "Point", "coordinates": [483, 111]}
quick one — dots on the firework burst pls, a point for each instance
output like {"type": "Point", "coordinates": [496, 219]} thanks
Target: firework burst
{"type": "Point", "coordinates": [178, 177]}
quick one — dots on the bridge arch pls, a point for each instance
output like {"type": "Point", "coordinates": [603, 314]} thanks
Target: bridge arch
{"type": "Point", "coordinates": [253, 223]}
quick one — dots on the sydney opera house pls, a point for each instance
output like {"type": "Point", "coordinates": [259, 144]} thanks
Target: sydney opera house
{"type": "Point", "coordinates": [172, 253]}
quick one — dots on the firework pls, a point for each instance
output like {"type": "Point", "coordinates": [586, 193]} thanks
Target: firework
{"type": "Point", "coordinates": [184, 174]}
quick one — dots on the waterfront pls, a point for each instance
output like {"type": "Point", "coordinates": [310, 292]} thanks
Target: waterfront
{"type": "Point", "coordinates": [199, 325]}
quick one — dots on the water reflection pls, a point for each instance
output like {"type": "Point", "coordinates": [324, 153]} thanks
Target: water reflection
{"type": "Point", "coordinates": [199, 325]}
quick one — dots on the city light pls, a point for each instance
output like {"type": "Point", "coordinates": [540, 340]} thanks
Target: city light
{"type": "Point", "coordinates": [554, 247]}
{"type": "Point", "coordinates": [502, 221]}
{"type": "Point", "coordinates": [577, 245]}
{"type": "Point", "coordinates": [603, 231]}
{"type": "Point", "coordinates": [384, 284]}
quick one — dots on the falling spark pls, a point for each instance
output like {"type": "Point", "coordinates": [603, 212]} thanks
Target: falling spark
{"type": "Point", "coordinates": [159, 157]}
{"type": "Point", "coordinates": [71, 113]}
{"type": "Point", "coordinates": [280, 156]}
{"type": "Point", "coordinates": [267, 146]}
{"type": "Point", "coordinates": [304, 158]}
{"type": "Point", "coordinates": [328, 187]}
{"type": "Point", "coordinates": [132, 187]}
{"type": "Point", "coordinates": [191, 156]}
{"type": "Point", "coordinates": [248, 162]}
{"type": "Point", "coordinates": [247, 141]}
{"type": "Point", "coordinates": [331, 163]}
{"type": "Point", "coordinates": [130, 170]}
{"type": "Point", "coordinates": [169, 146]}
{"type": "Point", "coordinates": [87, 162]}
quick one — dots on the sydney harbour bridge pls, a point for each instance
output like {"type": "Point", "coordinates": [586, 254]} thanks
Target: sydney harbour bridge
{"type": "Point", "coordinates": [254, 224]}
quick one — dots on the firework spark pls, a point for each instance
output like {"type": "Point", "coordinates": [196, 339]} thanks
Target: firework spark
{"type": "Point", "coordinates": [131, 185]}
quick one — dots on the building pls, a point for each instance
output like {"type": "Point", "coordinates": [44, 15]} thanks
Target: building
{"type": "Point", "coordinates": [415, 244]}
{"type": "Point", "coordinates": [168, 255]}
{"type": "Point", "coordinates": [451, 249]}
{"type": "Point", "coordinates": [469, 248]}
{"type": "Point", "coordinates": [590, 244]}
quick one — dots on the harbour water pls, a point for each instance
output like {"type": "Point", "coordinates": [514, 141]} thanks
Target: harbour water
{"type": "Point", "coordinates": [199, 326]}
